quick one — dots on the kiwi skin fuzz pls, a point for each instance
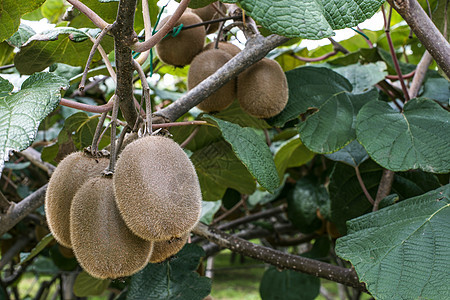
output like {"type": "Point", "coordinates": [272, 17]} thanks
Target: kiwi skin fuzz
{"type": "Point", "coordinates": [181, 49]}
{"type": "Point", "coordinates": [157, 189]}
{"type": "Point", "coordinates": [102, 243]}
{"type": "Point", "coordinates": [164, 249]}
{"type": "Point", "coordinates": [208, 13]}
{"type": "Point", "coordinates": [74, 170]}
{"type": "Point", "coordinates": [227, 47]}
{"type": "Point", "coordinates": [262, 89]}
{"type": "Point", "coordinates": [204, 65]}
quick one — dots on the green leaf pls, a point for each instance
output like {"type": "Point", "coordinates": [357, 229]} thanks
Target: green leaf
{"type": "Point", "coordinates": [86, 285]}
{"type": "Point", "coordinates": [173, 279]}
{"type": "Point", "coordinates": [353, 154]}
{"type": "Point", "coordinates": [209, 209]}
{"type": "Point", "coordinates": [306, 198]}
{"type": "Point", "coordinates": [21, 112]}
{"type": "Point", "coordinates": [6, 53]}
{"type": "Point", "coordinates": [309, 19]}
{"type": "Point", "coordinates": [363, 77]}
{"type": "Point", "coordinates": [415, 139]}
{"type": "Point", "coordinates": [347, 197]}
{"type": "Point", "coordinates": [235, 114]}
{"type": "Point", "coordinates": [414, 183]}
{"type": "Point", "coordinates": [217, 166]}
{"type": "Point", "coordinates": [39, 247]}
{"type": "Point", "coordinates": [438, 89]}
{"type": "Point", "coordinates": [82, 127]}
{"type": "Point", "coordinates": [62, 44]}
{"type": "Point", "coordinates": [402, 251]}
{"type": "Point", "coordinates": [252, 151]}
{"type": "Point", "coordinates": [199, 3]}
{"type": "Point", "coordinates": [288, 285]}
{"type": "Point", "coordinates": [291, 153]}
{"type": "Point", "coordinates": [21, 36]}
{"type": "Point", "coordinates": [10, 13]}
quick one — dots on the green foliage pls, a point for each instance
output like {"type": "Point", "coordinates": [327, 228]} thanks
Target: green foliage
{"type": "Point", "coordinates": [173, 279]}
{"type": "Point", "coordinates": [199, 3]}
{"type": "Point", "coordinates": [291, 153]}
{"type": "Point", "coordinates": [289, 285]}
{"type": "Point", "coordinates": [413, 260]}
{"type": "Point", "coordinates": [412, 139]}
{"type": "Point", "coordinates": [86, 285]}
{"type": "Point", "coordinates": [36, 250]}
{"type": "Point", "coordinates": [21, 112]}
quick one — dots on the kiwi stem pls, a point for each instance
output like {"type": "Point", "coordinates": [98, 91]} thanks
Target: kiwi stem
{"type": "Point", "coordinates": [190, 137]}
{"type": "Point", "coordinates": [91, 54]}
{"type": "Point", "coordinates": [212, 22]}
{"type": "Point", "coordinates": [86, 107]}
{"type": "Point", "coordinates": [121, 138]}
{"type": "Point", "coordinates": [384, 188]}
{"type": "Point", "coordinates": [148, 31]}
{"type": "Point", "coordinates": [214, 5]}
{"type": "Point", "coordinates": [112, 160]}
{"type": "Point", "coordinates": [96, 19]}
{"type": "Point", "coordinates": [151, 42]}
{"type": "Point", "coordinates": [95, 140]}
{"type": "Point", "coordinates": [363, 186]}
{"type": "Point", "coordinates": [219, 35]}
{"type": "Point", "coordinates": [146, 96]}
{"type": "Point", "coordinates": [320, 58]}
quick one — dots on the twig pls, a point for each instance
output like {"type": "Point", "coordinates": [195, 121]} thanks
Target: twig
{"type": "Point", "coordinates": [425, 30]}
{"type": "Point", "coordinates": [253, 217]}
{"type": "Point", "coordinates": [280, 259]}
{"type": "Point", "coordinates": [230, 211]}
{"type": "Point", "coordinates": [96, 138]}
{"type": "Point", "coordinates": [420, 73]}
{"type": "Point", "coordinates": [384, 188]}
{"type": "Point", "coordinates": [166, 125]}
{"type": "Point", "coordinates": [113, 157]}
{"type": "Point", "coordinates": [146, 96]}
{"type": "Point", "coordinates": [34, 157]}
{"type": "Point", "coordinates": [338, 46]}
{"type": "Point", "coordinates": [14, 250]}
{"type": "Point", "coordinates": [387, 25]}
{"type": "Point", "coordinates": [4, 204]}
{"type": "Point", "coordinates": [396, 77]}
{"type": "Point", "coordinates": [99, 22]}
{"type": "Point", "coordinates": [5, 67]}
{"type": "Point", "coordinates": [91, 54]}
{"type": "Point", "coordinates": [363, 186]}
{"type": "Point", "coordinates": [167, 27]}
{"type": "Point", "coordinates": [320, 58]}
{"type": "Point", "coordinates": [148, 31]}
{"type": "Point", "coordinates": [86, 107]}
{"type": "Point", "coordinates": [190, 137]}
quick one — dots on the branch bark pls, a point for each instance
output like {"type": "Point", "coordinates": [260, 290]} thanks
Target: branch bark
{"type": "Point", "coordinates": [425, 30]}
{"type": "Point", "coordinates": [255, 50]}
{"type": "Point", "coordinates": [281, 259]}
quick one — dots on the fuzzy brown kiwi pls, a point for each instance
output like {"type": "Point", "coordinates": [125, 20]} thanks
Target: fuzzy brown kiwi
{"type": "Point", "coordinates": [205, 64]}
{"type": "Point", "coordinates": [157, 189]}
{"type": "Point", "coordinates": [165, 249]}
{"type": "Point", "coordinates": [69, 176]}
{"type": "Point", "coordinates": [103, 245]}
{"type": "Point", "coordinates": [181, 49]}
{"type": "Point", "coordinates": [262, 89]}
{"type": "Point", "coordinates": [208, 13]}
{"type": "Point", "coordinates": [227, 47]}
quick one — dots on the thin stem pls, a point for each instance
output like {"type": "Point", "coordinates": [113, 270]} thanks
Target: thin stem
{"type": "Point", "coordinates": [148, 31]}
{"type": "Point", "coordinates": [420, 74]}
{"type": "Point", "coordinates": [91, 54]}
{"type": "Point", "coordinates": [6, 67]}
{"type": "Point", "coordinates": [384, 188]}
{"type": "Point", "coordinates": [99, 22]}
{"type": "Point", "coordinates": [253, 217]}
{"type": "Point", "coordinates": [190, 137]}
{"type": "Point", "coordinates": [112, 160]}
{"type": "Point", "coordinates": [96, 138]}
{"type": "Point", "coordinates": [4, 204]}
{"type": "Point", "coordinates": [320, 58]}
{"type": "Point", "coordinates": [230, 211]}
{"type": "Point", "coordinates": [338, 46]}
{"type": "Point", "coordinates": [406, 76]}
{"type": "Point", "coordinates": [86, 107]}
{"type": "Point", "coordinates": [387, 24]}
{"type": "Point", "coordinates": [146, 96]}
{"type": "Point", "coordinates": [239, 17]}
{"type": "Point", "coordinates": [141, 47]}
{"type": "Point", "coordinates": [167, 125]}
{"type": "Point", "coordinates": [126, 129]}
{"type": "Point", "coordinates": [363, 186]}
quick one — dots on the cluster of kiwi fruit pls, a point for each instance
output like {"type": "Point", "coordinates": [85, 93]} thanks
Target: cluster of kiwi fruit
{"type": "Point", "coordinates": [143, 213]}
{"type": "Point", "coordinates": [262, 89]}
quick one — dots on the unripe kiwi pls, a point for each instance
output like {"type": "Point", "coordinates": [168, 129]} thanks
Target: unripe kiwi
{"type": "Point", "coordinates": [204, 65]}
{"type": "Point", "coordinates": [165, 249]}
{"type": "Point", "coordinates": [262, 89]}
{"type": "Point", "coordinates": [156, 188]}
{"type": "Point", "coordinates": [208, 13]}
{"type": "Point", "coordinates": [103, 245]}
{"type": "Point", "coordinates": [227, 47]}
{"type": "Point", "coordinates": [181, 49]}
{"type": "Point", "coordinates": [69, 176]}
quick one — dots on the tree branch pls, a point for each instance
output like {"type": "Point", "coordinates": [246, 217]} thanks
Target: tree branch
{"type": "Point", "coordinates": [255, 50]}
{"type": "Point", "coordinates": [425, 30]}
{"type": "Point", "coordinates": [281, 259]}
{"type": "Point", "coordinates": [99, 22]}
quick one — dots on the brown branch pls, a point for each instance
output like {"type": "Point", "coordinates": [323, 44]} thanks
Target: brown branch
{"type": "Point", "coordinates": [14, 250]}
{"type": "Point", "coordinates": [255, 49]}
{"type": "Point", "coordinates": [428, 34]}
{"type": "Point", "coordinates": [314, 59]}
{"type": "Point", "coordinates": [280, 259]}
{"type": "Point", "coordinates": [34, 157]}
{"type": "Point", "coordinates": [86, 107]}
{"type": "Point", "coordinates": [363, 186]}
{"type": "Point", "coordinates": [168, 26]}
{"type": "Point", "coordinates": [190, 137]}
{"type": "Point", "coordinates": [99, 22]}
{"type": "Point", "coordinates": [253, 217]}
{"type": "Point", "coordinates": [420, 73]}
{"type": "Point", "coordinates": [396, 77]}
{"type": "Point", "coordinates": [384, 188]}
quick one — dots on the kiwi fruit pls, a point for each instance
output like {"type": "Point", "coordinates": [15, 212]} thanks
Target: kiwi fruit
{"type": "Point", "coordinates": [204, 65]}
{"type": "Point", "coordinates": [165, 249]}
{"type": "Point", "coordinates": [227, 47]}
{"type": "Point", "coordinates": [74, 170]}
{"type": "Point", "coordinates": [101, 242]}
{"type": "Point", "coordinates": [262, 89]}
{"type": "Point", "coordinates": [156, 189]}
{"type": "Point", "coordinates": [208, 13]}
{"type": "Point", "coordinates": [181, 49]}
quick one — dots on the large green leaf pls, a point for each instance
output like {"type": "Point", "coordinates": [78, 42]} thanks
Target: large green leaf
{"type": "Point", "coordinates": [86, 285]}
{"type": "Point", "coordinates": [363, 77]}
{"type": "Point", "coordinates": [21, 36]}
{"type": "Point", "coordinates": [290, 154]}
{"type": "Point", "coordinates": [402, 252]}
{"type": "Point", "coordinates": [173, 279]}
{"type": "Point", "coordinates": [62, 44]}
{"type": "Point", "coordinates": [252, 151]}
{"type": "Point", "coordinates": [10, 13]}
{"type": "Point", "coordinates": [288, 285]}
{"type": "Point", "coordinates": [417, 138]}
{"type": "Point", "coordinates": [353, 154]}
{"type": "Point", "coordinates": [217, 166]}
{"type": "Point", "coordinates": [21, 112]}
{"type": "Point", "coordinates": [313, 19]}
